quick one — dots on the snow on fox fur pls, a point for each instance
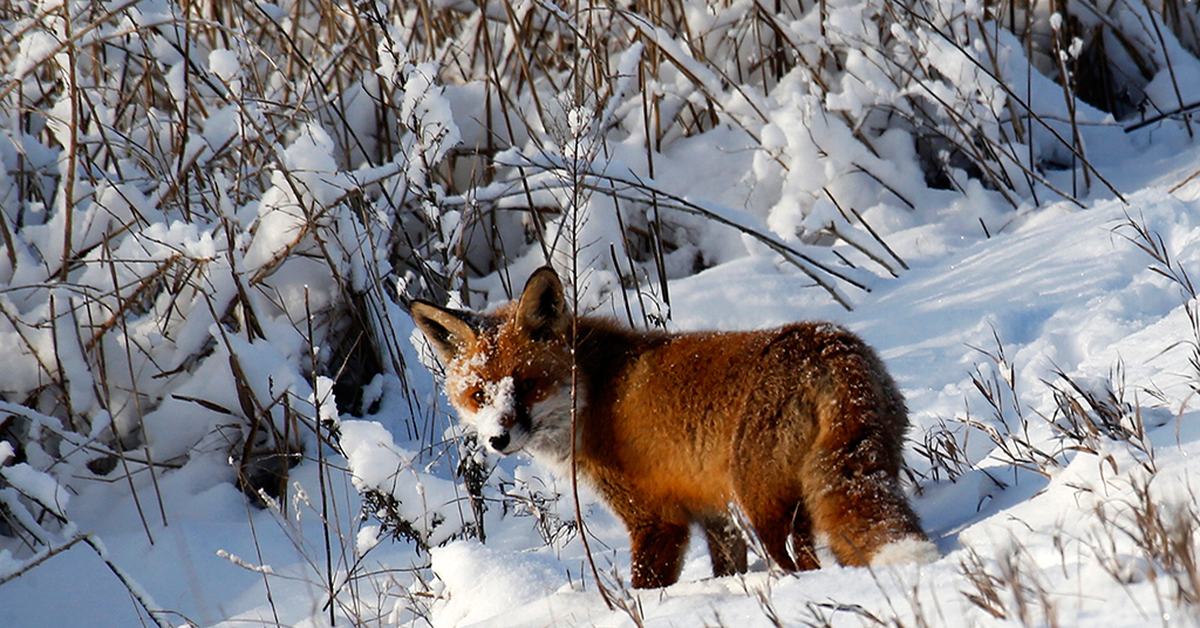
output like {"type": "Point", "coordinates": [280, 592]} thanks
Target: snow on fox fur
{"type": "Point", "coordinates": [800, 427]}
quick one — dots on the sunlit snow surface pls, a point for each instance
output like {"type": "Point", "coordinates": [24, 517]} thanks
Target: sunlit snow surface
{"type": "Point", "coordinates": [1062, 289]}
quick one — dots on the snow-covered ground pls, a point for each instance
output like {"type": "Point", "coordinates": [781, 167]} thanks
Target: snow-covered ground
{"type": "Point", "coordinates": [1061, 289]}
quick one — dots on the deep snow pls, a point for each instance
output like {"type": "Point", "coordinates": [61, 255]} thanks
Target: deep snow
{"type": "Point", "coordinates": [1062, 289]}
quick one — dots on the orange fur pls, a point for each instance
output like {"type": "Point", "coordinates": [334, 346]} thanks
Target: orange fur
{"type": "Point", "coordinates": [800, 427]}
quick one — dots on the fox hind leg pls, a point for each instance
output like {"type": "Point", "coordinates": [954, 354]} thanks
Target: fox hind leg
{"type": "Point", "coordinates": [783, 527]}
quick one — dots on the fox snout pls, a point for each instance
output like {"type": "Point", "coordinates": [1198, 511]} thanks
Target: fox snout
{"type": "Point", "coordinates": [504, 431]}
{"type": "Point", "coordinates": [509, 440]}
{"type": "Point", "coordinates": [498, 443]}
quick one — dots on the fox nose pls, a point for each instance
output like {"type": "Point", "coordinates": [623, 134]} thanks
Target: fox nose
{"type": "Point", "coordinates": [499, 442]}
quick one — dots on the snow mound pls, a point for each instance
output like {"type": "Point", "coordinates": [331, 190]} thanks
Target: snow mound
{"type": "Point", "coordinates": [482, 582]}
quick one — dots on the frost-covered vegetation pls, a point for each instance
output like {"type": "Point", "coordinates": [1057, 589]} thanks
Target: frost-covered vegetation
{"type": "Point", "coordinates": [213, 214]}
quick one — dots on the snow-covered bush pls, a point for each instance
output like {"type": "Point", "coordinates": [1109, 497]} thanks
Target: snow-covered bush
{"type": "Point", "coordinates": [201, 213]}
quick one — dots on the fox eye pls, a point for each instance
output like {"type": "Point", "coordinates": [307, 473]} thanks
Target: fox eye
{"type": "Point", "coordinates": [526, 385]}
{"type": "Point", "coordinates": [479, 397]}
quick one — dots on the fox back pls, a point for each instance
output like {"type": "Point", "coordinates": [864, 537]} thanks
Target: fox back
{"type": "Point", "coordinates": [800, 428]}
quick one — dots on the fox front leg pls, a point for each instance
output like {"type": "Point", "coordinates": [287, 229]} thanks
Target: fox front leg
{"type": "Point", "coordinates": [657, 549]}
{"type": "Point", "coordinates": [726, 545]}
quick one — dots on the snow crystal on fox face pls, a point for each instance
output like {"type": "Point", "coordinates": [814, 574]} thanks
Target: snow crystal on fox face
{"type": "Point", "coordinates": [462, 374]}
{"type": "Point", "coordinates": [498, 407]}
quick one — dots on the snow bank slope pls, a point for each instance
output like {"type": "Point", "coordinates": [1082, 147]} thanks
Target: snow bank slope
{"type": "Point", "coordinates": [1067, 291]}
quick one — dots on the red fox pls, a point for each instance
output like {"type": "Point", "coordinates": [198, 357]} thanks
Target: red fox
{"type": "Point", "coordinates": [800, 427]}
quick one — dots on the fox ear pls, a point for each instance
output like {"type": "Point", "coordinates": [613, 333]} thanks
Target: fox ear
{"type": "Point", "coordinates": [446, 330]}
{"type": "Point", "coordinates": [541, 312]}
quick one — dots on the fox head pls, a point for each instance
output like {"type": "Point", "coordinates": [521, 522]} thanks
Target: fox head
{"type": "Point", "coordinates": [508, 374]}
